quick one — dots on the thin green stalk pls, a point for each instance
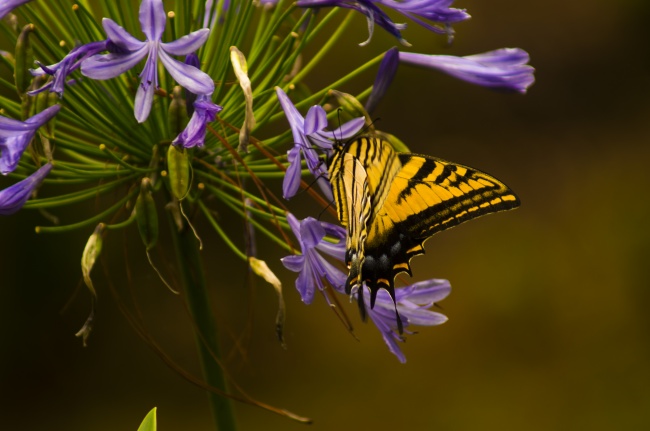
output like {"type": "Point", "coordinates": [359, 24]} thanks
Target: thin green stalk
{"type": "Point", "coordinates": [189, 263]}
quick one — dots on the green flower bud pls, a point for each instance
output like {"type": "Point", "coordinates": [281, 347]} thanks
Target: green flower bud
{"type": "Point", "coordinates": [177, 113]}
{"type": "Point", "coordinates": [178, 165]}
{"type": "Point", "coordinates": [146, 216]}
{"type": "Point", "coordinates": [351, 106]}
{"type": "Point", "coordinates": [24, 60]}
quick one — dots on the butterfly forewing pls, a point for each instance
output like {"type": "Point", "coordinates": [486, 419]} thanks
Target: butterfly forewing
{"type": "Point", "coordinates": [430, 195]}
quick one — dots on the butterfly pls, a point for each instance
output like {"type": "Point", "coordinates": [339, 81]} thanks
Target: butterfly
{"type": "Point", "coordinates": [392, 202]}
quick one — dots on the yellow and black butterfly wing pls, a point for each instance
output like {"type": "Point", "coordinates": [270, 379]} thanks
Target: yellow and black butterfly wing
{"type": "Point", "coordinates": [426, 196]}
{"type": "Point", "coordinates": [353, 205]}
{"type": "Point", "coordinates": [360, 174]}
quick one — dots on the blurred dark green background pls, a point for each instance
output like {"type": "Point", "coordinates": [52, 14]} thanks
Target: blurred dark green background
{"type": "Point", "coordinates": [549, 325]}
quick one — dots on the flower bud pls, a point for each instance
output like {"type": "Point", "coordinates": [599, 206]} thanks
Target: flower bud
{"type": "Point", "coordinates": [178, 165]}
{"type": "Point", "coordinates": [146, 216]}
{"type": "Point", "coordinates": [177, 114]}
{"type": "Point", "coordinates": [24, 60]}
{"type": "Point", "coordinates": [351, 105]}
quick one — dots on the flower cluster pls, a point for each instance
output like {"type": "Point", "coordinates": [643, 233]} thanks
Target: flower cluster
{"type": "Point", "coordinates": [199, 122]}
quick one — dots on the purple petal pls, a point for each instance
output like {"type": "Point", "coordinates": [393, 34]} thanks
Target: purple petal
{"type": "Point", "coordinates": [10, 127]}
{"type": "Point", "coordinates": [152, 19]}
{"type": "Point", "coordinates": [316, 120]}
{"type": "Point", "coordinates": [14, 197]}
{"type": "Point", "coordinates": [13, 146]}
{"type": "Point", "coordinates": [294, 224]}
{"type": "Point", "coordinates": [424, 292]}
{"type": "Point", "coordinates": [305, 284]}
{"type": "Point", "coordinates": [12, 149]}
{"type": "Point", "coordinates": [106, 66]}
{"type": "Point", "coordinates": [194, 133]}
{"type": "Point", "coordinates": [296, 122]}
{"type": "Point", "coordinates": [293, 262]}
{"type": "Point", "coordinates": [291, 181]}
{"type": "Point", "coordinates": [120, 37]}
{"type": "Point", "coordinates": [503, 69]}
{"type": "Point", "coordinates": [347, 130]}
{"type": "Point", "coordinates": [143, 101]}
{"type": "Point", "coordinates": [385, 75]}
{"type": "Point", "coordinates": [311, 232]}
{"type": "Point", "coordinates": [7, 6]}
{"type": "Point", "coordinates": [188, 43]}
{"type": "Point", "coordinates": [187, 76]}
{"type": "Point", "coordinates": [325, 186]}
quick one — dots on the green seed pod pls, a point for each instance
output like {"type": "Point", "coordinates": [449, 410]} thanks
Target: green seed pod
{"type": "Point", "coordinates": [177, 114]}
{"type": "Point", "coordinates": [24, 60]}
{"type": "Point", "coordinates": [146, 215]}
{"type": "Point", "coordinates": [178, 165]}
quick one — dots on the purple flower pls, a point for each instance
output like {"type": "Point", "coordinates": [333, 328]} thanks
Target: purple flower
{"type": "Point", "coordinates": [65, 67]}
{"type": "Point", "coordinates": [131, 50]}
{"type": "Point", "coordinates": [7, 6]}
{"type": "Point", "coordinates": [14, 197]}
{"type": "Point", "coordinates": [194, 133]}
{"type": "Point", "coordinates": [307, 133]}
{"type": "Point", "coordinates": [385, 75]}
{"type": "Point", "coordinates": [504, 69]}
{"type": "Point", "coordinates": [311, 265]}
{"type": "Point", "coordinates": [412, 303]}
{"type": "Point", "coordinates": [16, 135]}
{"type": "Point", "coordinates": [419, 11]}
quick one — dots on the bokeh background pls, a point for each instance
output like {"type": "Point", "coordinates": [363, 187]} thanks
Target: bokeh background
{"type": "Point", "coordinates": [549, 324]}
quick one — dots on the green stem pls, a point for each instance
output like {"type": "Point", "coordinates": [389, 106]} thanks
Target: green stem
{"type": "Point", "coordinates": [189, 262]}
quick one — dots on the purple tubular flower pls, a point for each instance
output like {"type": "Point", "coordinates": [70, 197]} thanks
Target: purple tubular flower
{"type": "Point", "coordinates": [193, 60]}
{"type": "Point", "coordinates": [436, 11]}
{"type": "Point", "coordinates": [132, 50]}
{"type": "Point", "coordinates": [307, 133]}
{"type": "Point", "coordinates": [194, 133]}
{"type": "Point", "coordinates": [385, 75]}
{"type": "Point", "coordinates": [412, 303]}
{"type": "Point", "coordinates": [14, 197]}
{"type": "Point", "coordinates": [311, 266]}
{"type": "Point", "coordinates": [65, 67]}
{"type": "Point", "coordinates": [16, 135]}
{"type": "Point", "coordinates": [7, 6]}
{"type": "Point", "coordinates": [503, 69]}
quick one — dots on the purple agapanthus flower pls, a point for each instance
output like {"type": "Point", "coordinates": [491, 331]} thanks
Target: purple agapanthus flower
{"type": "Point", "coordinates": [131, 50]}
{"type": "Point", "coordinates": [412, 303]}
{"type": "Point", "coordinates": [421, 12]}
{"type": "Point", "coordinates": [307, 133]}
{"type": "Point", "coordinates": [14, 197]}
{"type": "Point", "coordinates": [194, 133]}
{"type": "Point", "coordinates": [503, 69]}
{"type": "Point", "coordinates": [16, 135]}
{"type": "Point", "coordinates": [311, 266]}
{"type": "Point", "coordinates": [65, 67]}
{"type": "Point", "coordinates": [7, 6]}
{"type": "Point", "coordinates": [385, 75]}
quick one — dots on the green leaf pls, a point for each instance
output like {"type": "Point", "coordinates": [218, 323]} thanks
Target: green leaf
{"type": "Point", "coordinates": [149, 422]}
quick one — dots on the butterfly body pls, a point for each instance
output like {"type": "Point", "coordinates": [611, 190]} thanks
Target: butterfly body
{"type": "Point", "coordinates": [392, 202]}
